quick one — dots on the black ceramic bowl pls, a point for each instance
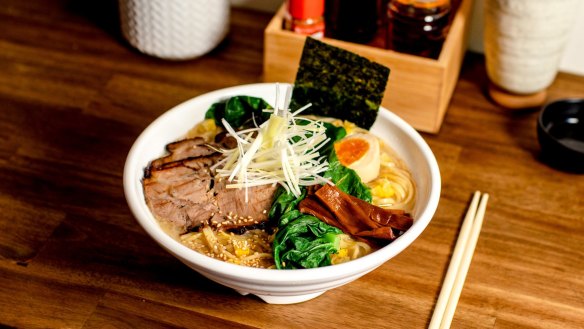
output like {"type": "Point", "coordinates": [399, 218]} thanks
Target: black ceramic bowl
{"type": "Point", "coordinates": [560, 130]}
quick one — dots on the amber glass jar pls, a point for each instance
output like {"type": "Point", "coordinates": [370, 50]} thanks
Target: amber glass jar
{"type": "Point", "coordinates": [418, 27]}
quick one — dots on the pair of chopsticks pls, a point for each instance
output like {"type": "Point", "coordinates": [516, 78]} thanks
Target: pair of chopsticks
{"type": "Point", "coordinates": [460, 262]}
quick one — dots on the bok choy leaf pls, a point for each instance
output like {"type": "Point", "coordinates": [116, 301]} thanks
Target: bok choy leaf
{"type": "Point", "coordinates": [239, 110]}
{"type": "Point", "coordinates": [305, 242]}
{"type": "Point", "coordinates": [346, 179]}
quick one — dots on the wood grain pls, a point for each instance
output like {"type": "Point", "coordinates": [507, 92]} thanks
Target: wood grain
{"type": "Point", "coordinates": [73, 98]}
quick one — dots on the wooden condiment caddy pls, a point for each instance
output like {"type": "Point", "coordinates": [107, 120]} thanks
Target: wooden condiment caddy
{"type": "Point", "coordinates": [419, 89]}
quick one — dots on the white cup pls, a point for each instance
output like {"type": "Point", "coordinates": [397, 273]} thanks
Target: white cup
{"type": "Point", "coordinates": [524, 41]}
{"type": "Point", "coordinates": [174, 29]}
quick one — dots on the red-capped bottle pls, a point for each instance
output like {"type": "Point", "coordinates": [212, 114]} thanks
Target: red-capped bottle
{"type": "Point", "coordinates": [305, 17]}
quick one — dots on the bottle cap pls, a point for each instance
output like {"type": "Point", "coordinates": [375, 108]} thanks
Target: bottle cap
{"type": "Point", "coordinates": [303, 9]}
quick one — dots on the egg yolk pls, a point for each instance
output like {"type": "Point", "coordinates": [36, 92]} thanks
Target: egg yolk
{"type": "Point", "coordinates": [351, 150]}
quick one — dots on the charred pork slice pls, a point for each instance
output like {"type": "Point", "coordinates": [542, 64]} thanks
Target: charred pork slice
{"type": "Point", "coordinates": [181, 190]}
{"type": "Point", "coordinates": [225, 140]}
{"type": "Point", "coordinates": [184, 149]}
{"type": "Point", "coordinates": [236, 210]}
{"type": "Point", "coordinates": [180, 195]}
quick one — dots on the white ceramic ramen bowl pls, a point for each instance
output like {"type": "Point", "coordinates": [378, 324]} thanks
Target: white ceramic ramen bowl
{"type": "Point", "coordinates": [278, 286]}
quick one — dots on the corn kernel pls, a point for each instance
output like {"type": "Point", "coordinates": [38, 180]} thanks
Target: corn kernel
{"type": "Point", "coordinates": [383, 189]}
{"type": "Point", "coordinates": [241, 252]}
{"type": "Point", "coordinates": [349, 127]}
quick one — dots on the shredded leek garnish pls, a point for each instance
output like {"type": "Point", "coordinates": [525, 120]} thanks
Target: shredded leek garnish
{"type": "Point", "coordinates": [279, 151]}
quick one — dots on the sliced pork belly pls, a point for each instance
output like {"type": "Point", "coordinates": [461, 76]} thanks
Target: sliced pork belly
{"type": "Point", "coordinates": [184, 149]}
{"type": "Point", "coordinates": [180, 195]}
{"type": "Point", "coordinates": [232, 203]}
{"type": "Point", "coordinates": [180, 189]}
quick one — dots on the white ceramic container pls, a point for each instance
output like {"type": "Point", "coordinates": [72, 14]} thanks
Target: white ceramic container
{"type": "Point", "coordinates": [278, 286]}
{"type": "Point", "coordinates": [174, 29]}
{"type": "Point", "coordinates": [524, 41]}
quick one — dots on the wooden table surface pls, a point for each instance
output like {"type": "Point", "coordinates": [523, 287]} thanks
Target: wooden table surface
{"type": "Point", "coordinates": [74, 96]}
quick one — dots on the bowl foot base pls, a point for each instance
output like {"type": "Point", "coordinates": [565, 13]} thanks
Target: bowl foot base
{"type": "Point", "coordinates": [273, 299]}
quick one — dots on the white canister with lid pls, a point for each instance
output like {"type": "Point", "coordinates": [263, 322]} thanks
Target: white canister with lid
{"type": "Point", "coordinates": [524, 41]}
{"type": "Point", "coordinates": [174, 29]}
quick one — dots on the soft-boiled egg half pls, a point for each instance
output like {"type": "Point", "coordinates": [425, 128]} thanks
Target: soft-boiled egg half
{"type": "Point", "coordinates": [360, 152]}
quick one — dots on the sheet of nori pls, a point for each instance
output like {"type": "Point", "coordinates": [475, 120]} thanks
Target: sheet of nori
{"type": "Point", "coordinates": [339, 84]}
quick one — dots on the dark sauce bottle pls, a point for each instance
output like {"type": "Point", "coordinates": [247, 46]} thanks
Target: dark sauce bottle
{"type": "Point", "coordinates": [351, 20]}
{"type": "Point", "coordinates": [418, 27]}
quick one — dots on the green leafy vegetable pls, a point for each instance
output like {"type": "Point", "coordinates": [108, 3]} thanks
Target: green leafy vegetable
{"type": "Point", "coordinates": [284, 208]}
{"type": "Point", "coordinates": [339, 84]}
{"type": "Point", "coordinates": [346, 179]}
{"type": "Point", "coordinates": [305, 242]}
{"type": "Point", "coordinates": [239, 110]}
{"type": "Point", "coordinates": [334, 133]}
